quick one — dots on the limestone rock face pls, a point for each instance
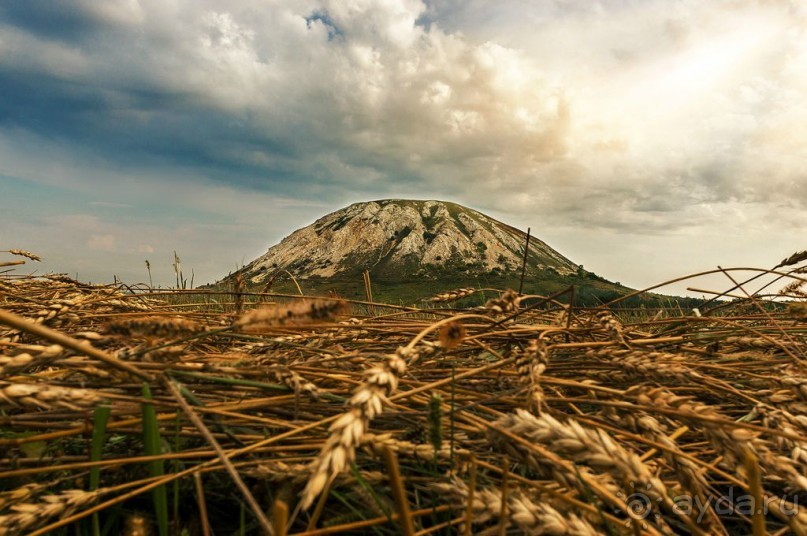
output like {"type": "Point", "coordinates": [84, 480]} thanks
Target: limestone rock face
{"type": "Point", "coordinates": [403, 239]}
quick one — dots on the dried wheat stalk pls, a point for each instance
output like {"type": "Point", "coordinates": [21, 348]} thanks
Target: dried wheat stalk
{"type": "Point", "coordinates": [249, 413]}
{"type": "Point", "coordinates": [278, 471]}
{"type": "Point", "coordinates": [750, 342]}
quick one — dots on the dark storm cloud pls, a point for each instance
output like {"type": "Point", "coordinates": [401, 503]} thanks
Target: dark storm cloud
{"type": "Point", "coordinates": [53, 20]}
{"type": "Point", "coordinates": [136, 126]}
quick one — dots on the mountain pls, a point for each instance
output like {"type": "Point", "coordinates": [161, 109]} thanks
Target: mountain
{"type": "Point", "coordinates": [398, 239]}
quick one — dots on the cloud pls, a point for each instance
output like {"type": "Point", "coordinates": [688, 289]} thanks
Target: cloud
{"type": "Point", "coordinates": [654, 117]}
{"type": "Point", "coordinates": [145, 248]}
{"type": "Point", "coordinates": [109, 204]}
{"type": "Point", "coordinates": [359, 87]}
{"type": "Point", "coordinates": [101, 242]}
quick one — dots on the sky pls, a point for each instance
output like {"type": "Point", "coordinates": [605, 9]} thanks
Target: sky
{"type": "Point", "coordinates": [644, 139]}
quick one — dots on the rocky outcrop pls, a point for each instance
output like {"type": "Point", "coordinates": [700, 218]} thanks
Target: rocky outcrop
{"type": "Point", "coordinates": [403, 239]}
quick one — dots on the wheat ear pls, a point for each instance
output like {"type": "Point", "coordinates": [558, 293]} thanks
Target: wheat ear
{"type": "Point", "coordinates": [506, 303]}
{"type": "Point", "coordinates": [293, 380]}
{"type": "Point", "coordinates": [612, 326]}
{"type": "Point", "coordinates": [643, 364]}
{"type": "Point", "coordinates": [347, 431]}
{"type": "Point", "coordinates": [27, 516]}
{"type": "Point", "coordinates": [158, 327]}
{"type": "Point", "coordinates": [593, 447]}
{"type": "Point", "coordinates": [26, 254]}
{"type": "Point", "coordinates": [452, 295]}
{"type": "Point", "coordinates": [295, 313]}
{"type": "Point", "coordinates": [531, 363]}
{"type": "Point", "coordinates": [419, 451]}
{"type": "Point", "coordinates": [734, 443]}
{"type": "Point", "coordinates": [46, 396]}
{"type": "Point", "coordinates": [35, 356]}
{"type": "Point", "coordinates": [522, 511]}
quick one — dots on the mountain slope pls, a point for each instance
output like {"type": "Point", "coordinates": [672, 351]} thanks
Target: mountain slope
{"type": "Point", "coordinates": [405, 239]}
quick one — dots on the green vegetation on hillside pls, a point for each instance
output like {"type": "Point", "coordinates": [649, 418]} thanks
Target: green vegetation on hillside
{"type": "Point", "coordinates": [589, 289]}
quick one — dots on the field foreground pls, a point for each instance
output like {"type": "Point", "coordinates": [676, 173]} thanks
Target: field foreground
{"type": "Point", "coordinates": [132, 412]}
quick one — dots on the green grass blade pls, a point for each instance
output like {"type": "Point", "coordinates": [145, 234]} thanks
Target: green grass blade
{"type": "Point", "coordinates": [354, 514]}
{"type": "Point", "coordinates": [151, 440]}
{"type": "Point", "coordinates": [435, 421]}
{"type": "Point", "coordinates": [366, 485]}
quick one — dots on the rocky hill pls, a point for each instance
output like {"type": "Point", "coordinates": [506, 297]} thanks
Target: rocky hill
{"type": "Point", "coordinates": [399, 239]}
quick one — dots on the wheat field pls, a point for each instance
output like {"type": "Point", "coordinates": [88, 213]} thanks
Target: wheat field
{"type": "Point", "coordinates": [127, 410]}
